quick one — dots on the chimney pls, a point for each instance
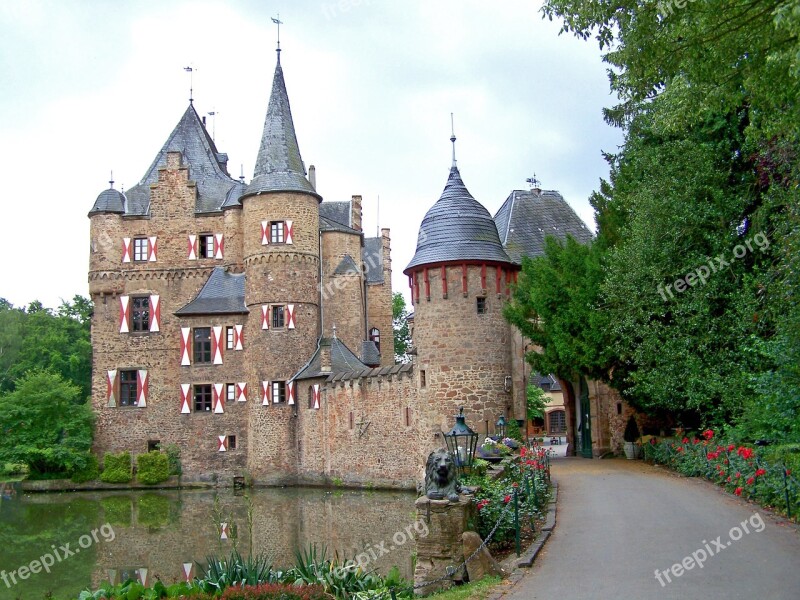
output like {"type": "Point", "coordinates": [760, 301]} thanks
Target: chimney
{"type": "Point", "coordinates": [325, 356]}
{"type": "Point", "coordinates": [312, 176]}
{"type": "Point", "coordinates": [386, 244]}
{"type": "Point", "coordinates": [355, 213]}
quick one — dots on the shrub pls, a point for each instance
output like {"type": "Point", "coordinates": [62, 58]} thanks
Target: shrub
{"type": "Point", "coordinates": [117, 510]}
{"type": "Point", "coordinates": [152, 468]}
{"type": "Point", "coordinates": [89, 472]}
{"type": "Point", "coordinates": [276, 591]}
{"type": "Point", "coordinates": [11, 468]}
{"type": "Point", "coordinates": [174, 457]}
{"type": "Point", "coordinates": [513, 431]}
{"type": "Point", "coordinates": [154, 511]}
{"type": "Point", "coordinates": [116, 468]}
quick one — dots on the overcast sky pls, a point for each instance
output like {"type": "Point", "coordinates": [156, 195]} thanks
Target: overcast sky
{"type": "Point", "coordinates": [91, 86]}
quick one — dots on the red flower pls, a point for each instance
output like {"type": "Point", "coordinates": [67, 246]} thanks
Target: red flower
{"type": "Point", "coordinates": [708, 434]}
{"type": "Point", "coordinates": [695, 441]}
{"type": "Point", "coordinates": [731, 447]}
{"type": "Point", "coordinates": [507, 499]}
{"type": "Point", "coordinates": [515, 484]}
{"type": "Point", "coordinates": [738, 474]}
{"type": "Point", "coordinates": [679, 449]}
{"type": "Point", "coordinates": [751, 480]}
{"type": "Point", "coordinates": [712, 455]}
{"type": "Point", "coordinates": [788, 471]}
{"type": "Point", "coordinates": [738, 491]}
{"type": "Point", "coordinates": [685, 440]}
{"type": "Point", "coordinates": [482, 504]}
{"type": "Point", "coordinates": [523, 451]}
{"type": "Point", "coordinates": [760, 472]}
{"type": "Point", "coordinates": [728, 479]}
{"type": "Point", "coordinates": [745, 453]}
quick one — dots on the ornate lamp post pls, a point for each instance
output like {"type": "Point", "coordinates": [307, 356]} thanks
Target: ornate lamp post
{"type": "Point", "coordinates": [461, 444]}
{"type": "Point", "coordinates": [501, 427]}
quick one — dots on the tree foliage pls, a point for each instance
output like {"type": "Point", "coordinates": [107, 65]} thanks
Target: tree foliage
{"type": "Point", "coordinates": [402, 336]}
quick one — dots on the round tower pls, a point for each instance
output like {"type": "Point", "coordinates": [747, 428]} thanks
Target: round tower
{"type": "Point", "coordinates": [105, 231]}
{"type": "Point", "coordinates": [280, 224]}
{"type": "Point", "coordinates": [459, 278]}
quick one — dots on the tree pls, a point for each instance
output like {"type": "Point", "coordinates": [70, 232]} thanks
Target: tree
{"type": "Point", "coordinates": [402, 337]}
{"type": "Point", "coordinates": [44, 424]}
{"type": "Point", "coordinates": [536, 401]}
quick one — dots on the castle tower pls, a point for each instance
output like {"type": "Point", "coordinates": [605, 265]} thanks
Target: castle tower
{"type": "Point", "coordinates": [280, 229]}
{"type": "Point", "coordinates": [459, 278]}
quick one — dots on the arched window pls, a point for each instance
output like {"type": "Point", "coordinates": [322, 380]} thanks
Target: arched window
{"type": "Point", "coordinates": [375, 336]}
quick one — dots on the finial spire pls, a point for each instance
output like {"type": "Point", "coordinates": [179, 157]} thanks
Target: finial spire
{"type": "Point", "coordinates": [111, 181]}
{"type": "Point", "coordinates": [334, 331]}
{"type": "Point", "coordinates": [278, 22]}
{"type": "Point", "coordinates": [535, 184]}
{"type": "Point", "coordinates": [453, 138]}
{"type": "Point", "coordinates": [190, 71]}
{"type": "Point", "coordinates": [241, 172]}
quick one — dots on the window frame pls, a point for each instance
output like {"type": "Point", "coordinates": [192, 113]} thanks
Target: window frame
{"type": "Point", "coordinates": [278, 310]}
{"type": "Point", "coordinates": [205, 245]}
{"type": "Point", "coordinates": [202, 397]}
{"type": "Point", "coordinates": [231, 442]}
{"type": "Point", "coordinates": [141, 249]}
{"type": "Point", "coordinates": [230, 337]}
{"type": "Point", "coordinates": [481, 306]}
{"type": "Point", "coordinates": [277, 232]}
{"type": "Point", "coordinates": [230, 392]}
{"type": "Point", "coordinates": [124, 387]}
{"type": "Point", "coordinates": [139, 325]}
{"type": "Point", "coordinates": [279, 392]}
{"type": "Point", "coordinates": [200, 354]}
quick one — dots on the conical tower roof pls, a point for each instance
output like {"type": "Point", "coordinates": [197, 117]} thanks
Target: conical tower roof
{"type": "Point", "coordinates": [279, 167]}
{"type": "Point", "coordinates": [457, 229]}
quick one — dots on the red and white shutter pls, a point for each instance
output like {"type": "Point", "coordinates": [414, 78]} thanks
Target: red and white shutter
{"type": "Point", "coordinates": [142, 576]}
{"type": "Point", "coordinates": [266, 391]}
{"type": "Point", "coordinates": [124, 313]}
{"type": "Point", "coordinates": [155, 313]}
{"type": "Point", "coordinates": [142, 389]}
{"type": "Point", "coordinates": [188, 572]}
{"type": "Point", "coordinates": [126, 250]}
{"type": "Point", "coordinates": [223, 447]}
{"type": "Point", "coordinates": [223, 527]}
{"type": "Point", "coordinates": [185, 410]}
{"type": "Point", "coordinates": [290, 393]}
{"type": "Point", "coordinates": [185, 333]}
{"type": "Point", "coordinates": [288, 232]}
{"type": "Point", "coordinates": [192, 247]}
{"type": "Point", "coordinates": [218, 399]}
{"type": "Point", "coordinates": [241, 392]}
{"type": "Point", "coordinates": [219, 245]}
{"type": "Point", "coordinates": [316, 395]}
{"type": "Point", "coordinates": [152, 248]}
{"type": "Point", "coordinates": [216, 344]}
{"type": "Point", "coordinates": [111, 397]}
{"type": "Point", "coordinates": [238, 337]}
{"type": "Point", "coordinates": [264, 233]}
{"type": "Point", "coordinates": [290, 316]}
{"type": "Point", "coordinates": [265, 316]}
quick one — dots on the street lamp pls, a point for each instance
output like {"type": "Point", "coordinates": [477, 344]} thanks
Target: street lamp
{"type": "Point", "coordinates": [461, 443]}
{"type": "Point", "coordinates": [501, 427]}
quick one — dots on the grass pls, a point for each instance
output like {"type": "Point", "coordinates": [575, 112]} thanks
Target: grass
{"type": "Point", "coordinates": [478, 590]}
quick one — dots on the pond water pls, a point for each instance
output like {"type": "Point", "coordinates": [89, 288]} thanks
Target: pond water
{"type": "Point", "coordinates": [149, 534]}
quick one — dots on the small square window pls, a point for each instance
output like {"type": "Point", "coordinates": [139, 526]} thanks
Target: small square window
{"type": "Point", "coordinates": [202, 397]}
{"type": "Point", "coordinates": [127, 388]}
{"type": "Point", "coordinates": [481, 305]}
{"type": "Point", "coordinates": [139, 249]}
{"type": "Point", "coordinates": [201, 348]}
{"type": "Point", "coordinates": [278, 316]}
{"type": "Point", "coordinates": [153, 445]}
{"type": "Point", "coordinates": [278, 392]}
{"type": "Point", "coordinates": [229, 337]}
{"type": "Point", "coordinates": [230, 392]}
{"type": "Point", "coordinates": [140, 313]}
{"type": "Point", "coordinates": [206, 241]}
{"type": "Point", "coordinates": [231, 442]}
{"type": "Point", "coordinates": [276, 232]}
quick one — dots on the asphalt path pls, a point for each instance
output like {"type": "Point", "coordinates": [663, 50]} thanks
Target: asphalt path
{"type": "Point", "coordinates": [621, 521]}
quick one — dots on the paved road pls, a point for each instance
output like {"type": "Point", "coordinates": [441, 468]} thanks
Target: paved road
{"type": "Point", "coordinates": [619, 521]}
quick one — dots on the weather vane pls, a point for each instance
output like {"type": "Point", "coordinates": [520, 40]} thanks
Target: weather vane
{"type": "Point", "coordinates": [278, 22]}
{"type": "Point", "coordinates": [534, 183]}
{"type": "Point", "coordinates": [190, 71]}
{"type": "Point", "coordinates": [453, 138]}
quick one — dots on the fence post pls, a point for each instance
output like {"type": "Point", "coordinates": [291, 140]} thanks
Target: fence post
{"type": "Point", "coordinates": [786, 492]}
{"type": "Point", "coordinates": [516, 523]}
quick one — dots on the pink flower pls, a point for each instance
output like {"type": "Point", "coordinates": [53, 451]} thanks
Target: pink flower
{"type": "Point", "coordinates": [751, 480]}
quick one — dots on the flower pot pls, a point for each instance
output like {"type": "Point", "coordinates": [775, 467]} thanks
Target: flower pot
{"type": "Point", "coordinates": [631, 451]}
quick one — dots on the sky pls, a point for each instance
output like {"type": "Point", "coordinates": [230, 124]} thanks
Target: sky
{"type": "Point", "coordinates": [90, 87]}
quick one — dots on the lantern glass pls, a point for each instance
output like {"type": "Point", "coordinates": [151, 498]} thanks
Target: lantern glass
{"type": "Point", "coordinates": [501, 427]}
{"type": "Point", "coordinates": [461, 444]}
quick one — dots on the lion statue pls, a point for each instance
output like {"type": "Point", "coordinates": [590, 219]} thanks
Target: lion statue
{"type": "Point", "coordinates": [440, 476]}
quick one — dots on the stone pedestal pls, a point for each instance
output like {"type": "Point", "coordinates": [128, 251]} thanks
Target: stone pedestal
{"type": "Point", "coordinates": [443, 546]}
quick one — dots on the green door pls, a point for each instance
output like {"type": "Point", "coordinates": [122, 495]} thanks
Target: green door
{"type": "Point", "coordinates": [586, 422]}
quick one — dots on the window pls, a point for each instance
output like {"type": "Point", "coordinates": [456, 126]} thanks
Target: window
{"type": "Point", "coordinates": [278, 317]}
{"type": "Point", "coordinates": [127, 388]}
{"type": "Point", "coordinates": [231, 442]}
{"type": "Point", "coordinates": [407, 414]}
{"type": "Point", "coordinates": [206, 245]}
{"type": "Point", "coordinates": [202, 397]}
{"type": "Point", "coordinates": [229, 337]}
{"type": "Point", "coordinates": [375, 336]}
{"type": "Point", "coordinates": [140, 313]}
{"type": "Point", "coordinates": [139, 249]}
{"type": "Point", "coordinates": [481, 305]}
{"type": "Point", "coordinates": [311, 396]}
{"type": "Point", "coordinates": [230, 392]}
{"type": "Point", "coordinates": [201, 348]}
{"type": "Point", "coordinates": [558, 421]}
{"type": "Point", "coordinates": [422, 378]}
{"type": "Point", "coordinates": [276, 232]}
{"type": "Point", "coordinates": [278, 392]}
{"type": "Point", "coordinates": [153, 445]}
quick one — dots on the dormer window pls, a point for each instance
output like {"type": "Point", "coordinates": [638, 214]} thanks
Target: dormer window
{"type": "Point", "coordinates": [375, 336]}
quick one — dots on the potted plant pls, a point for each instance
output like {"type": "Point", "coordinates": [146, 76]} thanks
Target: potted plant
{"type": "Point", "coordinates": [492, 451]}
{"type": "Point", "coordinates": [631, 436]}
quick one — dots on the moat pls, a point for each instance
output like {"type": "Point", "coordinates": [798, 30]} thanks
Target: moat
{"type": "Point", "coordinates": [153, 534]}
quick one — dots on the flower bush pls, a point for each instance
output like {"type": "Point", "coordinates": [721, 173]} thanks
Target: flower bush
{"type": "Point", "coordinates": [764, 476]}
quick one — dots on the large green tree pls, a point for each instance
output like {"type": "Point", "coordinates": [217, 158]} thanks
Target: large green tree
{"type": "Point", "coordinates": [402, 336]}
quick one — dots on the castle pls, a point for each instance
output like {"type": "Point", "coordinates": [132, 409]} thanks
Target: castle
{"type": "Point", "coordinates": [251, 324]}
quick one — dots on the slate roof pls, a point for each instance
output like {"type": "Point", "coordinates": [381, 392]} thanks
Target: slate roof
{"type": "Point", "coordinates": [222, 294]}
{"type": "Point", "coordinates": [372, 254]}
{"type": "Point", "coordinates": [457, 228]}
{"type": "Point", "coordinates": [370, 355]}
{"type": "Point", "coordinates": [549, 383]}
{"type": "Point", "coordinates": [342, 360]}
{"type": "Point", "coordinates": [346, 266]}
{"type": "Point", "coordinates": [336, 211]}
{"type": "Point", "coordinates": [279, 167]}
{"type": "Point", "coordinates": [110, 201]}
{"type": "Point", "coordinates": [207, 167]}
{"type": "Point", "coordinates": [326, 224]}
{"type": "Point", "coordinates": [526, 217]}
